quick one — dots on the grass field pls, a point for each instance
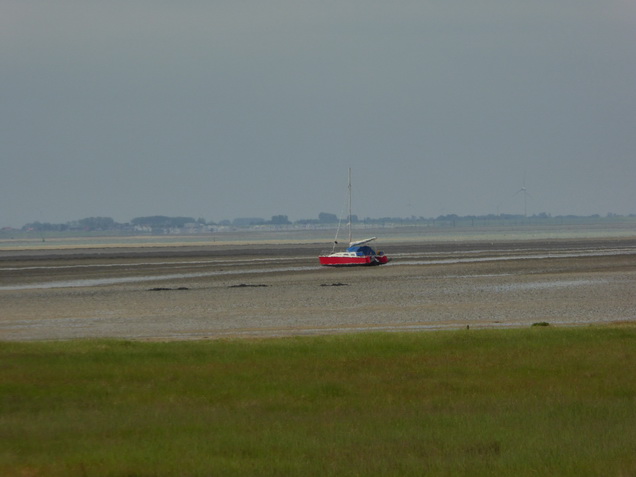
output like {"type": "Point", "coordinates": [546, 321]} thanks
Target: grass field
{"type": "Point", "coordinates": [539, 401]}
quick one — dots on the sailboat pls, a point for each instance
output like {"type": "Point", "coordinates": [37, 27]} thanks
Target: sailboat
{"type": "Point", "coordinates": [357, 253]}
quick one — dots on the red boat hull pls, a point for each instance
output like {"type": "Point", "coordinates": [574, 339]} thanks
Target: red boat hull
{"type": "Point", "coordinates": [353, 261]}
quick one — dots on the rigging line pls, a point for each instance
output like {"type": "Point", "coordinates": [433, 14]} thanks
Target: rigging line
{"type": "Point", "coordinates": [335, 240]}
{"type": "Point", "coordinates": [342, 212]}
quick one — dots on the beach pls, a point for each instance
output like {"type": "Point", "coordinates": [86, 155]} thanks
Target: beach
{"type": "Point", "coordinates": [247, 290]}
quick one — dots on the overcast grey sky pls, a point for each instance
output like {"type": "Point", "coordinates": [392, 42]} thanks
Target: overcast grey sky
{"type": "Point", "coordinates": [222, 109]}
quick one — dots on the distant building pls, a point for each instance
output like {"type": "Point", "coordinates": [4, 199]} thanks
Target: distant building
{"type": "Point", "coordinates": [247, 221]}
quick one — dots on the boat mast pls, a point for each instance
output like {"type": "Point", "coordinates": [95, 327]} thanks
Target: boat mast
{"type": "Point", "coordinates": [349, 206]}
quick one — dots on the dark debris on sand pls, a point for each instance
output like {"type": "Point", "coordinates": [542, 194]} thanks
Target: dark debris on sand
{"type": "Point", "coordinates": [167, 289]}
{"type": "Point", "coordinates": [247, 285]}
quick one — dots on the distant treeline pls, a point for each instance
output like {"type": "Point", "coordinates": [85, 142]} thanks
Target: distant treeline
{"type": "Point", "coordinates": [157, 223]}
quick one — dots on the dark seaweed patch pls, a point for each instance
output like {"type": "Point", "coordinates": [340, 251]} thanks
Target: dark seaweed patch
{"type": "Point", "coordinates": [247, 285]}
{"type": "Point", "coordinates": [167, 289]}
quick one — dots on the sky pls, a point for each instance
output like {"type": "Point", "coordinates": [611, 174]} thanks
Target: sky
{"type": "Point", "coordinates": [221, 109]}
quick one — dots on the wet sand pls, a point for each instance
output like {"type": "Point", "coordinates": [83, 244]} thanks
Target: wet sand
{"type": "Point", "coordinates": [246, 290]}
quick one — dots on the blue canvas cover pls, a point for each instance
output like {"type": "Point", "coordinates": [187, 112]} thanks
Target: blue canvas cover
{"type": "Point", "coordinates": [362, 250]}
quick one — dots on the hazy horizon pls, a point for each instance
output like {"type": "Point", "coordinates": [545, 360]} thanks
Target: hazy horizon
{"type": "Point", "coordinates": [491, 219]}
{"type": "Point", "coordinates": [253, 109]}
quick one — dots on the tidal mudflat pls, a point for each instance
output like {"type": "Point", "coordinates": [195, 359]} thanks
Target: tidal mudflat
{"type": "Point", "coordinates": [241, 290]}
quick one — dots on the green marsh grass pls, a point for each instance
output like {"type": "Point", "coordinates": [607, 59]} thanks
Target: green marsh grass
{"type": "Point", "coordinates": [538, 401]}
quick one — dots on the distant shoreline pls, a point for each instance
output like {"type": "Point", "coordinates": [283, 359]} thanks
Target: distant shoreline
{"type": "Point", "coordinates": [323, 237]}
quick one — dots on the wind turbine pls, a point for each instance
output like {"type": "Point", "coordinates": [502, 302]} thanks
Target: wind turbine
{"type": "Point", "coordinates": [526, 194]}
